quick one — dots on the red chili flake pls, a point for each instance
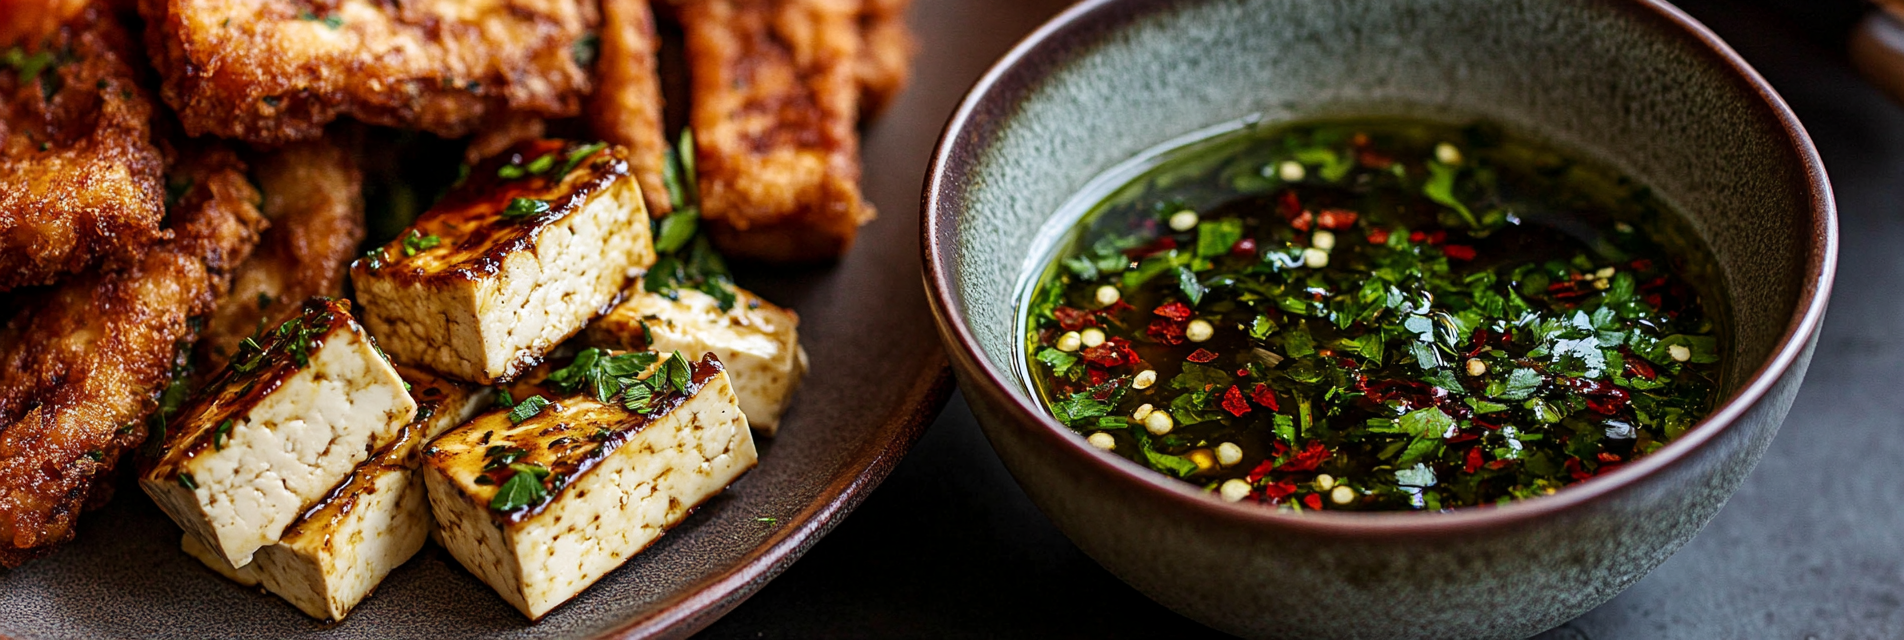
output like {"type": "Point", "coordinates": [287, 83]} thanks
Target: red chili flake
{"type": "Point", "coordinates": [1262, 394]}
{"type": "Point", "coordinates": [1308, 458]}
{"type": "Point", "coordinates": [1655, 283]}
{"type": "Point", "coordinates": [1417, 236]}
{"type": "Point", "coordinates": [1609, 468]}
{"type": "Point", "coordinates": [1096, 376]}
{"type": "Point", "coordinates": [1313, 501]}
{"type": "Point", "coordinates": [1602, 397]}
{"type": "Point", "coordinates": [1458, 252]}
{"type": "Point", "coordinates": [1165, 332]}
{"type": "Point", "coordinates": [1234, 403]}
{"type": "Point", "coordinates": [1482, 423]}
{"type": "Point", "coordinates": [1303, 222]}
{"type": "Point", "coordinates": [1608, 456]}
{"type": "Point", "coordinates": [1497, 465]}
{"type": "Point", "coordinates": [1374, 160]}
{"type": "Point", "coordinates": [1290, 205]}
{"type": "Point", "coordinates": [1336, 219]}
{"type": "Point", "coordinates": [1108, 355]}
{"type": "Point", "coordinates": [1160, 245]}
{"type": "Point", "coordinates": [1200, 356]}
{"type": "Point", "coordinates": [1359, 140]}
{"type": "Point", "coordinates": [1573, 469]}
{"type": "Point", "coordinates": [1242, 373]}
{"type": "Point", "coordinates": [1463, 437]}
{"type": "Point", "coordinates": [1073, 319]}
{"type": "Point", "coordinates": [1262, 469]}
{"type": "Point", "coordinates": [1474, 461]}
{"type": "Point", "coordinates": [1637, 367]}
{"type": "Point", "coordinates": [1641, 264]}
{"type": "Point", "coordinates": [1436, 237]}
{"type": "Point", "coordinates": [1276, 492]}
{"type": "Point", "coordinates": [1378, 236]}
{"type": "Point", "coordinates": [1175, 311]}
{"type": "Point", "coordinates": [1244, 248]}
{"type": "Point", "coordinates": [1652, 300]}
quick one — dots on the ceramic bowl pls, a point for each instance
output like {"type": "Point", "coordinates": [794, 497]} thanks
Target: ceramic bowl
{"type": "Point", "coordinates": [1632, 83]}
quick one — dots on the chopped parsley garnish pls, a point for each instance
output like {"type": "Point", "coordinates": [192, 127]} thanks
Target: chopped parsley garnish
{"type": "Point", "coordinates": [578, 155]}
{"type": "Point", "coordinates": [586, 48]}
{"type": "Point", "coordinates": [416, 242]}
{"type": "Point", "coordinates": [1376, 316]}
{"type": "Point", "coordinates": [686, 259]}
{"type": "Point", "coordinates": [221, 434]}
{"type": "Point", "coordinates": [525, 207]}
{"type": "Point", "coordinates": [527, 408]}
{"type": "Point", "coordinates": [519, 491]}
{"type": "Point", "coordinates": [185, 480]}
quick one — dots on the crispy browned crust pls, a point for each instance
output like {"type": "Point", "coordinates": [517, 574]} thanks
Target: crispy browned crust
{"type": "Point", "coordinates": [776, 98]}
{"type": "Point", "coordinates": [885, 59]}
{"type": "Point", "coordinates": [273, 71]}
{"type": "Point", "coordinates": [82, 177]}
{"type": "Point", "coordinates": [86, 358]}
{"type": "Point", "coordinates": [626, 108]}
{"type": "Point", "coordinates": [313, 198]}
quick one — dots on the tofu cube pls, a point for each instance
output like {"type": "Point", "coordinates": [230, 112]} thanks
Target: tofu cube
{"type": "Point", "coordinates": [371, 523]}
{"type": "Point", "coordinates": [512, 262]}
{"type": "Point", "coordinates": [543, 507]}
{"type": "Point", "coordinates": [283, 424]}
{"type": "Point", "coordinates": [757, 342]}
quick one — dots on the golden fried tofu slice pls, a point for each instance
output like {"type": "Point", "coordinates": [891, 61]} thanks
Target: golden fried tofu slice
{"type": "Point", "coordinates": [372, 522]}
{"type": "Point", "coordinates": [757, 342]}
{"type": "Point", "coordinates": [886, 51]}
{"type": "Point", "coordinates": [542, 499]}
{"type": "Point", "coordinates": [86, 358]}
{"type": "Point", "coordinates": [626, 108]}
{"type": "Point", "coordinates": [775, 100]}
{"type": "Point", "coordinates": [313, 197]}
{"type": "Point", "coordinates": [273, 71]}
{"type": "Point", "coordinates": [83, 179]}
{"type": "Point", "coordinates": [509, 264]}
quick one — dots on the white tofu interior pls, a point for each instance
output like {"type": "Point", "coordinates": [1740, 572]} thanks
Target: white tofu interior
{"type": "Point", "coordinates": [759, 343]}
{"type": "Point", "coordinates": [634, 485]}
{"type": "Point", "coordinates": [370, 524]}
{"type": "Point", "coordinates": [496, 292]}
{"type": "Point", "coordinates": [254, 452]}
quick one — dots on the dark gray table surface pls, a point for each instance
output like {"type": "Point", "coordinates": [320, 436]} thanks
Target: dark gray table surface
{"type": "Point", "coordinates": [1811, 547]}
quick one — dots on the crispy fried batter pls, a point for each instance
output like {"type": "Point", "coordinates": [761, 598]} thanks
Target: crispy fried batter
{"type": "Point", "coordinates": [313, 197]}
{"type": "Point", "coordinates": [82, 177]}
{"type": "Point", "coordinates": [86, 358]}
{"type": "Point", "coordinates": [776, 97]}
{"type": "Point", "coordinates": [626, 108]}
{"type": "Point", "coordinates": [885, 57]}
{"type": "Point", "coordinates": [273, 71]}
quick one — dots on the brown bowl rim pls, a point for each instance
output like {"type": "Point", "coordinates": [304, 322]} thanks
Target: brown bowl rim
{"type": "Point", "coordinates": [967, 123]}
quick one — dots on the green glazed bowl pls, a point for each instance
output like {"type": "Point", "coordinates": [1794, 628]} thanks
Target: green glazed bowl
{"type": "Point", "coordinates": [1633, 83]}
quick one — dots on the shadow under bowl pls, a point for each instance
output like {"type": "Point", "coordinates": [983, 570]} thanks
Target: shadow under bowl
{"type": "Point", "coordinates": [1634, 84]}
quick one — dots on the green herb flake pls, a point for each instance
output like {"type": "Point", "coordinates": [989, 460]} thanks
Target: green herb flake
{"type": "Point", "coordinates": [525, 207]}
{"type": "Point", "coordinates": [519, 491]}
{"type": "Point", "coordinates": [527, 408]}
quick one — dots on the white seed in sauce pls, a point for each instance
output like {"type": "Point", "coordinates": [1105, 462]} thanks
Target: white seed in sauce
{"type": "Point", "coordinates": [1324, 482]}
{"type": "Point", "coordinates": [1142, 412]}
{"type": "Point", "coordinates": [1323, 239]}
{"type": "Point", "coordinates": [1476, 367]}
{"type": "Point", "coordinates": [1159, 423]}
{"type": "Point", "coordinates": [1234, 490]}
{"type": "Point", "coordinates": [1144, 379]}
{"type": "Point", "coordinates": [1342, 494]}
{"type": "Point", "coordinates": [1199, 330]}
{"type": "Point", "coordinates": [1108, 295]}
{"type": "Point", "coordinates": [1103, 441]}
{"type": "Point", "coordinates": [1291, 171]}
{"type": "Point", "coordinates": [1091, 337]}
{"type": "Point", "coordinates": [1184, 220]}
{"type": "Point", "coordinates": [1315, 258]}
{"type": "Point", "coordinates": [1070, 341]}
{"type": "Point", "coordinates": [1447, 153]}
{"type": "Point", "coordinates": [1228, 454]}
{"type": "Point", "coordinates": [1679, 353]}
{"type": "Point", "coordinates": [1605, 272]}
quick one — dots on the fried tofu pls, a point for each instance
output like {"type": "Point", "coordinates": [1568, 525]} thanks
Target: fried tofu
{"type": "Point", "coordinates": [503, 269]}
{"type": "Point", "coordinates": [313, 197]}
{"type": "Point", "coordinates": [84, 179]}
{"type": "Point", "coordinates": [607, 482]}
{"type": "Point", "coordinates": [274, 71]}
{"type": "Point", "coordinates": [758, 343]}
{"type": "Point", "coordinates": [85, 359]}
{"type": "Point", "coordinates": [775, 100]}
{"type": "Point", "coordinates": [369, 524]}
{"type": "Point", "coordinates": [626, 108]}
{"type": "Point", "coordinates": [284, 423]}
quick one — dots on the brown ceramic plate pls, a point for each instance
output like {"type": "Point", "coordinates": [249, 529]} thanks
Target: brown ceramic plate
{"type": "Point", "coordinates": [878, 377]}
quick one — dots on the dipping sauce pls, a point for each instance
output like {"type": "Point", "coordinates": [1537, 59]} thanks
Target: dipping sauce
{"type": "Point", "coordinates": [1383, 315]}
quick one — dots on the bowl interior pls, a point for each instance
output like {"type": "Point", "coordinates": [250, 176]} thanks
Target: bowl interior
{"type": "Point", "coordinates": [1616, 81]}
